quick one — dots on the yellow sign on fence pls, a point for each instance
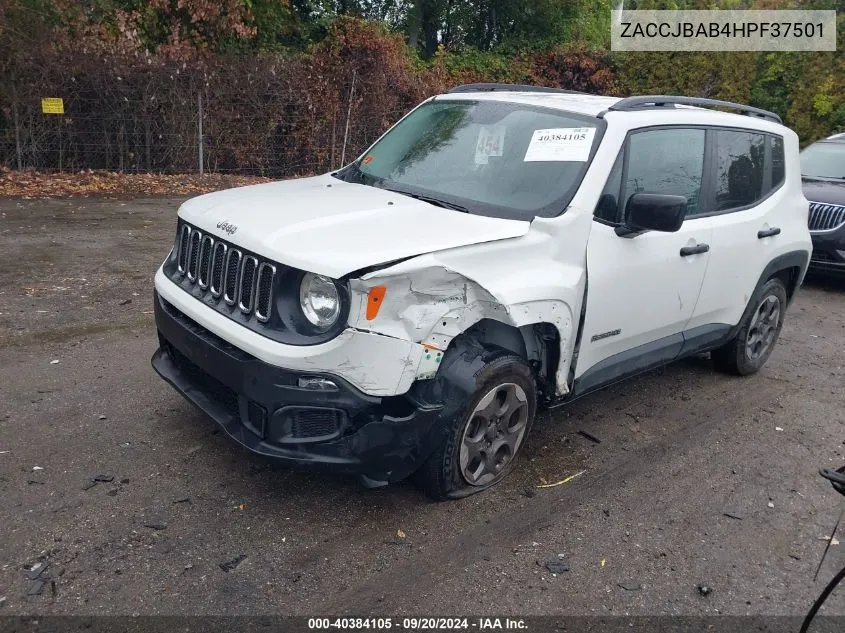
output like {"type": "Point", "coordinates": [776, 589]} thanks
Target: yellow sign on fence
{"type": "Point", "coordinates": [52, 105]}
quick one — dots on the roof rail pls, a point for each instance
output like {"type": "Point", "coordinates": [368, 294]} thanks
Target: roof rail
{"type": "Point", "coordinates": [659, 101]}
{"type": "Point", "coordinates": [490, 87]}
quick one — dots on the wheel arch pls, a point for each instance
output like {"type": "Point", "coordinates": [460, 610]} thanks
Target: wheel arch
{"type": "Point", "coordinates": [790, 268]}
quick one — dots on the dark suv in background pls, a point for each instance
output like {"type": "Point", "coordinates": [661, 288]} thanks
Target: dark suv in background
{"type": "Point", "coordinates": [823, 174]}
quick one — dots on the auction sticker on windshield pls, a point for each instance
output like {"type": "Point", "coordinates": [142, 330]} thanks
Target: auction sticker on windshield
{"type": "Point", "coordinates": [491, 142]}
{"type": "Point", "coordinates": [560, 144]}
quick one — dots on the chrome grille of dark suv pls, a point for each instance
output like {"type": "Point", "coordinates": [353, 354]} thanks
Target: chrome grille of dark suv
{"type": "Point", "coordinates": [825, 217]}
{"type": "Point", "coordinates": [222, 269]}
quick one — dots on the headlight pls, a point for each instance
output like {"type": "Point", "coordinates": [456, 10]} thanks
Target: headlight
{"type": "Point", "coordinates": [319, 300]}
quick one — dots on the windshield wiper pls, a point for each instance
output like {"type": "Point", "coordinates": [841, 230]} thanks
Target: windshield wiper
{"type": "Point", "coordinates": [431, 200]}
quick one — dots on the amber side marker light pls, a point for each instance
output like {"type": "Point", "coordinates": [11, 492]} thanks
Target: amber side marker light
{"type": "Point", "coordinates": [374, 300]}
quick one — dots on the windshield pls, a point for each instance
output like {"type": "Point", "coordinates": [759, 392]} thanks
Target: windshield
{"type": "Point", "coordinates": [486, 157]}
{"type": "Point", "coordinates": [824, 160]}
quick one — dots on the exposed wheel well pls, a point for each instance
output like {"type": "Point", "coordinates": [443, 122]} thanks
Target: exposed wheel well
{"type": "Point", "coordinates": [790, 277]}
{"type": "Point", "coordinates": [538, 344]}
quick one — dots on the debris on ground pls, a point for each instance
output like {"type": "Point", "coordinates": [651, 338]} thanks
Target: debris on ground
{"type": "Point", "coordinates": [36, 468]}
{"type": "Point", "coordinates": [770, 505]}
{"type": "Point", "coordinates": [33, 184]}
{"type": "Point", "coordinates": [102, 417]}
{"type": "Point", "coordinates": [589, 436]}
{"type": "Point", "coordinates": [2, 601]}
{"type": "Point", "coordinates": [182, 500]}
{"type": "Point", "coordinates": [35, 570]}
{"type": "Point", "coordinates": [630, 585]}
{"type": "Point", "coordinates": [556, 566]}
{"type": "Point", "coordinates": [36, 587]}
{"type": "Point", "coordinates": [155, 526]}
{"type": "Point", "coordinates": [562, 481]}
{"type": "Point", "coordinates": [833, 540]}
{"type": "Point", "coordinates": [705, 590]}
{"type": "Point", "coordinates": [125, 302]}
{"type": "Point", "coordinates": [54, 362]}
{"type": "Point", "coordinates": [732, 515]}
{"type": "Point", "coordinates": [229, 565]}
{"type": "Point", "coordinates": [400, 533]}
{"type": "Point", "coordinates": [777, 428]}
{"type": "Point", "coordinates": [104, 477]}
{"type": "Point", "coordinates": [89, 484]}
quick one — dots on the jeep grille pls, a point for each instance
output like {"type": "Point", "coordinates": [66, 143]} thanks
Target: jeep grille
{"type": "Point", "coordinates": [826, 217]}
{"type": "Point", "coordinates": [222, 269]}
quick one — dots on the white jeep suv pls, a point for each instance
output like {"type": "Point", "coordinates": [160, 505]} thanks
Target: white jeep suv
{"type": "Point", "coordinates": [499, 250]}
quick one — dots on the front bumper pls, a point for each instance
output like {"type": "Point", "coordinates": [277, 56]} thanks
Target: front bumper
{"type": "Point", "coordinates": [828, 251]}
{"type": "Point", "coordinates": [263, 408]}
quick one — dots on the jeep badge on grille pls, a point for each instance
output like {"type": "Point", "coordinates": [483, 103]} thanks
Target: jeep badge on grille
{"type": "Point", "coordinates": [228, 228]}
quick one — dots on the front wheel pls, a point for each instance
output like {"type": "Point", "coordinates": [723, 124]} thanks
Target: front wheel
{"type": "Point", "coordinates": [483, 439]}
{"type": "Point", "coordinates": [758, 332]}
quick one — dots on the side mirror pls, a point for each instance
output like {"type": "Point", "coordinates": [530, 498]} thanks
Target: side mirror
{"type": "Point", "coordinates": [654, 212]}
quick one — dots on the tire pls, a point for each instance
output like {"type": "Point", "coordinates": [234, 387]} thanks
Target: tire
{"type": "Point", "coordinates": [758, 332]}
{"type": "Point", "coordinates": [484, 432]}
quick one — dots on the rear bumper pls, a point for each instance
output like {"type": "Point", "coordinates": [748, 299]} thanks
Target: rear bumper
{"type": "Point", "coordinates": [263, 408]}
{"type": "Point", "coordinates": [828, 251]}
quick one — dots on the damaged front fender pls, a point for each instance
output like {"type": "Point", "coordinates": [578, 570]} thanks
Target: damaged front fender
{"type": "Point", "coordinates": [426, 302]}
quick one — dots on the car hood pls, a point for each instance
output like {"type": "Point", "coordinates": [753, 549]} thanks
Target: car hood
{"type": "Point", "coordinates": [327, 226]}
{"type": "Point", "coordinates": [825, 191]}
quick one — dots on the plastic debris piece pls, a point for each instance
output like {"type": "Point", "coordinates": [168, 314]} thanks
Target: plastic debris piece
{"type": "Point", "coordinates": [630, 585]}
{"type": "Point", "coordinates": [590, 437]}
{"type": "Point", "coordinates": [229, 565]}
{"type": "Point", "coordinates": [155, 526]}
{"type": "Point", "coordinates": [777, 428]}
{"type": "Point", "coordinates": [603, 562]}
{"type": "Point", "coordinates": [34, 468]}
{"type": "Point", "coordinates": [562, 481]}
{"type": "Point", "coordinates": [104, 477]}
{"type": "Point", "coordinates": [36, 587]}
{"type": "Point", "coordinates": [705, 590]}
{"type": "Point", "coordinates": [400, 533]}
{"type": "Point", "coordinates": [556, 567]}
{"type": "Point", "coordinates": [770, 505]}
{"type": "Point", "coordinates": [54, 362]}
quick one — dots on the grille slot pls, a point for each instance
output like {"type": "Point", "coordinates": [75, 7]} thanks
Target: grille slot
{"type": "Point", "coordinates": [184, 242]}
{"type": "Point", "coordinates": [224, 271]}
{"type": "Point", "coordinates": [206, 251]}
{"type": "Point", "coordinates": [193, 254]}
{"type": "Point", "coordinates": [247, 285]}
{"type": "Point", "coordinates": [264, 291]}
{"type": "Point", "coordinates": [232, 276]}
{"type": "Point", "coordinates": [826, 217]}
{"type": "Point", "coordinates": [217, 263]}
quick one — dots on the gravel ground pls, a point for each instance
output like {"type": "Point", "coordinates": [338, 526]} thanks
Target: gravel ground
{"type": "Point", "coordinates": [699, 478]}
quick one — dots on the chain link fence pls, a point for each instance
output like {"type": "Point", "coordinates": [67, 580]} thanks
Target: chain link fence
{"type": "Point", "coordinates": [243, 116]}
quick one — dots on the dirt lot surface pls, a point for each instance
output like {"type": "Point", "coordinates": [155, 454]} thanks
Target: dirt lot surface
{"type": "Point", "coordinates": [681, 450]}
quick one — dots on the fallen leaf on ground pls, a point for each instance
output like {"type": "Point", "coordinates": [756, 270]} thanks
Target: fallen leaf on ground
{"type": "Point", "coordinates": [562, 481]}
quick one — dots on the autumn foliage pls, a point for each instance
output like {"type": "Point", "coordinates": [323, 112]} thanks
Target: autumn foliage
{"type": "Point", "coordinates": [137, 83]}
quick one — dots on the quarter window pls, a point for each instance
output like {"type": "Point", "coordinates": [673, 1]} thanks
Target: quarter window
{"type": "Point", "coordinates": [740, 169]}
{"type": "Point", "coordinates": [778, 169]}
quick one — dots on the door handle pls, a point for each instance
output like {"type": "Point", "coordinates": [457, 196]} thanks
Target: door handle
{"type": "Point", "coordinates": [768, 233]}
{"type": "Point", "coordinates": [686, 251]}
